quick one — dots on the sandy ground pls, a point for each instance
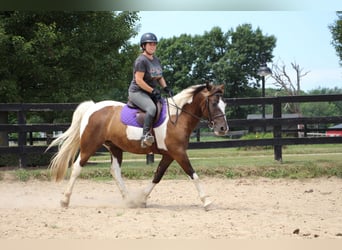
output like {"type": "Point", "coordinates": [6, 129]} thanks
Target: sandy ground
{"type": "Point", "coordinates": [244, 209]}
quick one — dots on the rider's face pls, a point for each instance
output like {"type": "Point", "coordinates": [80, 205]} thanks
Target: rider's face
{"type": "Point", "coordinates": [150, 48]}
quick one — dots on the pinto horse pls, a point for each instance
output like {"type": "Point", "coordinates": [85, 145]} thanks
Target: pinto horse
{"type": "Point", "coordinates": [99, 124]}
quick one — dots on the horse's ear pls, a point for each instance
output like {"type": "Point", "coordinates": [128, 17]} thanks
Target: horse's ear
{"type": "Point", "coordinates": [208, 86]}
{"type": "Point", "coordinates": [221, 87]}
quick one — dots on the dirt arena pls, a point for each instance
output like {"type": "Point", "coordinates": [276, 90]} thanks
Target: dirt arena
{"type": "Point", "coordinates": [244, 209]}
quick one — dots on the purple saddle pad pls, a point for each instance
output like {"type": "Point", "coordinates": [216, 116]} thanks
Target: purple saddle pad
{"type": "Point", "coordinates": [128, 116]}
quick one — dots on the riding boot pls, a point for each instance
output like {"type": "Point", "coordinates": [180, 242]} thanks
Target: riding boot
{"type": "Point", "coordinates": [147, 138]}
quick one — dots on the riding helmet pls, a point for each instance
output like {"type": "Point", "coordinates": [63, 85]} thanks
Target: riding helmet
{"type": "Point", "coordinates": [148, 38]}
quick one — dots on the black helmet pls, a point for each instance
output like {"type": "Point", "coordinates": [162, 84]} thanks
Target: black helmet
{"type": "Point", "coordinates": [148, 38]}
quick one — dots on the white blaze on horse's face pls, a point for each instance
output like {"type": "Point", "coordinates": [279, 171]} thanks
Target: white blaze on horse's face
{"type": "Point", "coordinates": [222, 106]}
{"type": "Point", "coordinates": [220, 131]}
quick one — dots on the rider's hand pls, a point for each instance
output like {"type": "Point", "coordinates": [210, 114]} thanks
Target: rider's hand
{"type": "Point", "coordinates": [168, 91]}
{"type": "Point", "coordinates": [156, 94]}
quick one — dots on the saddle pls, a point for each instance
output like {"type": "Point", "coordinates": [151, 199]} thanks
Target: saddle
{"type": "Point", "coordinates": [133, 116]}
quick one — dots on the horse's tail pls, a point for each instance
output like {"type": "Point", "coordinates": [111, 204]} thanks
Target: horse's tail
{"type": "Point", "coordinates": [68, 144]}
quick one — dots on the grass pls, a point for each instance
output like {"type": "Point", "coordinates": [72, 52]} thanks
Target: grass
{"type": "Point", "coordinates": [309, 161]}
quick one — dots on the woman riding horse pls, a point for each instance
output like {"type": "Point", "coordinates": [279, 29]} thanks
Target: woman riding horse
{"type": "Point", "coordinates": [143, 91]}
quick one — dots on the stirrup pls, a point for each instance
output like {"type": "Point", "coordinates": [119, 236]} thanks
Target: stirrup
{"type": "Point", "coordinates": [147, 140]}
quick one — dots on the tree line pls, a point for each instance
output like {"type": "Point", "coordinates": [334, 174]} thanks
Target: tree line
{"type": "Point", "coordinates": [68, 56]}
{"type": "Point", "coordinates": [65, 56]}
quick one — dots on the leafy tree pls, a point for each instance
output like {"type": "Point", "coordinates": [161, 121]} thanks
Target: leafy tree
{"type": "Point", "coordinates": [336, 30]}
{"type": "Point", "coordinates": [247, 49]}
{"type": "Point", "coordinates": [325, 108]}
{"type": "Point", "coordinates": [211, 47]}
{"type": "Point", "coordinates": [177, 56]}
{"type": "Point", "coordinates": [232, 58]}
{"type": "Point", "coordinates": [64, 56]}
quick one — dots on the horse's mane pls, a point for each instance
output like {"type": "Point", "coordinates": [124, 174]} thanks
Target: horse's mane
{"type": "Point", "coordinates": [184, 97]}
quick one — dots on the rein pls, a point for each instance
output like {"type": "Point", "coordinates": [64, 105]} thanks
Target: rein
{"type": "Point", "coordinates": [210, 119]}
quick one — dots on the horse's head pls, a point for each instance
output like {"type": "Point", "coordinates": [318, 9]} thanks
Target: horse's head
{"type": "Point", "coordinates": [205, 101]}
{"type": "Point", "coordinates": [213, 108]}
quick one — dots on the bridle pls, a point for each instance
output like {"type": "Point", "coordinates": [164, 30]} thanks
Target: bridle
{"type": "Point", "coordinates": [211, 119]}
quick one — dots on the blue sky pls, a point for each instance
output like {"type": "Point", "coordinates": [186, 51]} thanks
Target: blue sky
{"type": "Point", "coordinates": [302, 37]}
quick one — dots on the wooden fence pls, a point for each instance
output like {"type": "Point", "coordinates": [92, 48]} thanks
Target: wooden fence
{"type": "Point", "coordinates": [276, 122]}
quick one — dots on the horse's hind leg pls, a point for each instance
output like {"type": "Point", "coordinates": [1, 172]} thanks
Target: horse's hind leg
{"type": "Point", "coordinates": [131, 200]}
{"type": "Point", "coordinates": [115, 170]}
{"type": "Point", "coordinates": [76, 171]}
{"type": "Point", "coordinates": [158, 175]}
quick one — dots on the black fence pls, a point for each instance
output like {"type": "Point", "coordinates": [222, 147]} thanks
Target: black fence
{"type": "Point", "coordinates": [24, 145]}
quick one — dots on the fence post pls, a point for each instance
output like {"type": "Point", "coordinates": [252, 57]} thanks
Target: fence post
{"type": "Point", "coordinates": [149, 158]}
{"type": "Point", "coordinates": [198, 134]}
{"type": "Point", "coordinates": [4, 135]}
{"type": "Point", "coordinates": [277, 132]}
{"type": "Point", "coordinates": [21, 139]}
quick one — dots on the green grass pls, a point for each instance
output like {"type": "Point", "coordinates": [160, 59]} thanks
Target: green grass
{"type": "Point", "coordinates": [299, 161]}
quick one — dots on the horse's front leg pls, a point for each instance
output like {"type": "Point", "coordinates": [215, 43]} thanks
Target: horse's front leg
{"type": "Point", "coordinates": [204, 197]}
{"type": "Point", "coordinates": [139, 199]}
{"type": "Point", "coordinates": [158, 175]}
{"type": "Point", "coordinates": [184, 162]}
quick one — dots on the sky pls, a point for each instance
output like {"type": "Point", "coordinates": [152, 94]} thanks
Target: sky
{"type": "Point", "coordinates": [302, 37]}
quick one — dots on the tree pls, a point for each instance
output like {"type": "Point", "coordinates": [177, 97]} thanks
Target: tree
{"type": "Point", "coordinates": [238, 67]}
{"type": "Point", "coordinates": [323, 108]}
{"type": "Point", "coordinates": [64, 56]}
{"type": "Point", "coordinates": [336, 31]}
{"type": "Point", "coordinates": [284, 82]}
{"type": "Point", "coordinates": [232, 58]}
{"type": "Point", "coordinates": [177, 55]}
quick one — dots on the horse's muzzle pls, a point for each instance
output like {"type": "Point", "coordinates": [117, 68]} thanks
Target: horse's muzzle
{"type": "Point", "coordinates": [221, 131]}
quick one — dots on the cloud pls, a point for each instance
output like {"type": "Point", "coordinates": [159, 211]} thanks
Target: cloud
{"type": "Point", "coordinates": [325, 78]}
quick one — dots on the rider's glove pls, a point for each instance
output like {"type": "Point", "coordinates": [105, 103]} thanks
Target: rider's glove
{"type": "Point", "coordinates": [156, 94]}
{"type": "Point", "coordinates": [168, 91]}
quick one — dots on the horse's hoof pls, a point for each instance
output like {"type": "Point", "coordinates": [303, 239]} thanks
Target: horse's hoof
{"type": "Point", "coordinates": [131, 203]}
{"type": "Point", "coordinates": [135, 200]}
{"type": "Point", "coordinates": [64, 204]}
{"type": "Point", "coordinates": [208, 205]}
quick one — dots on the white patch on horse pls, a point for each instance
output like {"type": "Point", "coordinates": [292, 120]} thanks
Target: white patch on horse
{"type": "Point", "coordinates": [97, 106]}
{"type": "Point", "coordinates": [134, 133]}
{"type": "Point", "coordinates": [160, 133]}
{"type": "Point", "coordinates": [177, 102]}
{"type": "Point", "coordinates": [222, 106]}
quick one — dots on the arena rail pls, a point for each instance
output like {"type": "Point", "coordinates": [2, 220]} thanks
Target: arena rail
{"type": "Point", "coordinates": [22, 129]}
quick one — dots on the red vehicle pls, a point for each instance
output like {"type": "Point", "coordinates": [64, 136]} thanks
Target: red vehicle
{"type": "Point", "coordinates": [334, 131]}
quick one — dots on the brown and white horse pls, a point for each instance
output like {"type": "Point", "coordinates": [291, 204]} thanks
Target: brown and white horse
{"type": "Point", "coordinates": [97, 124]}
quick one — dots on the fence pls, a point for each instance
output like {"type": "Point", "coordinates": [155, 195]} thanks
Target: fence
{"type": "Point", "coordinates": [276, 122]}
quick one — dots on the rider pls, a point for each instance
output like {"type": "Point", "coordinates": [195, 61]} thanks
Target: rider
{"type": "Point", "coordinates": [143, 91]}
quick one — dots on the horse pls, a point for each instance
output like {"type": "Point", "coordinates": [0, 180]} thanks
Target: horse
{"type": "Point", "coordinates": [99, 124]}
